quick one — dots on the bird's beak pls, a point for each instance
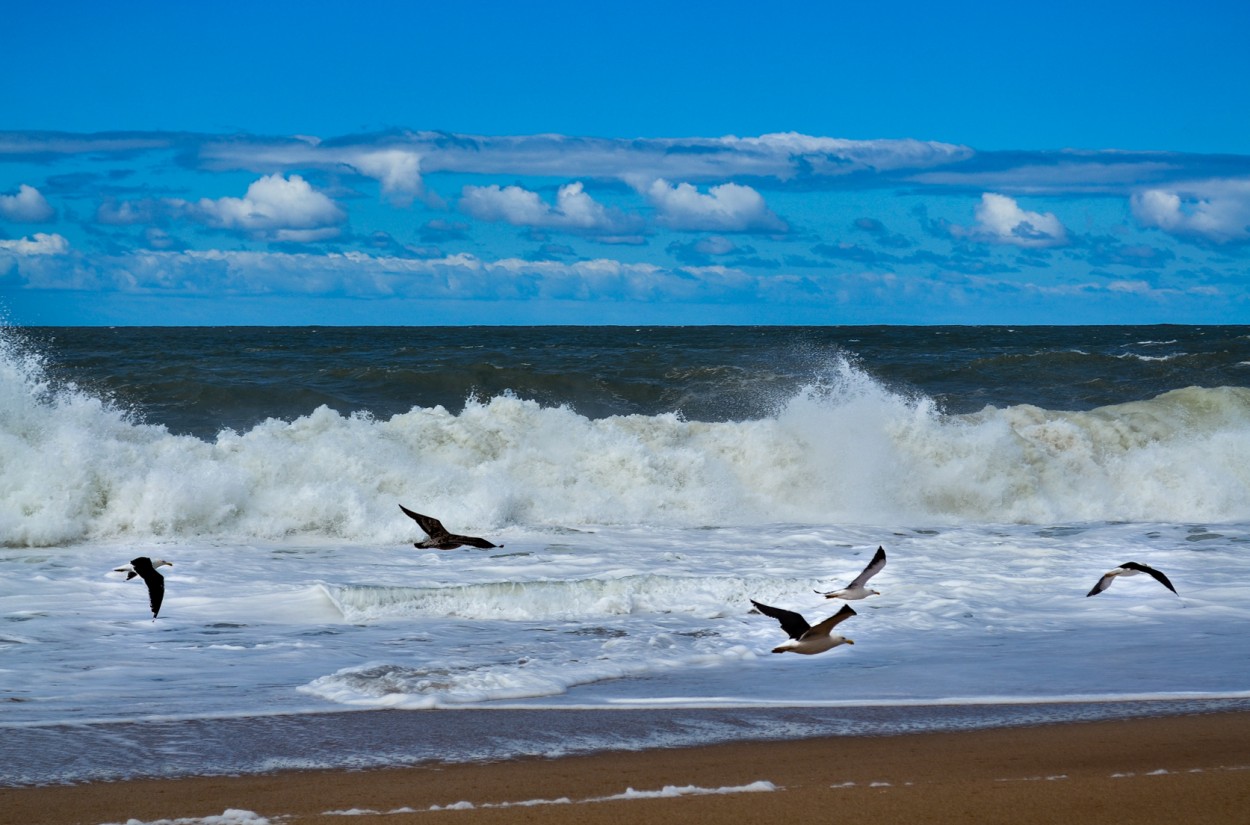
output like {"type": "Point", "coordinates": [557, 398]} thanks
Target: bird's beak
{"type": "Point", "coordinates": [850, 641]}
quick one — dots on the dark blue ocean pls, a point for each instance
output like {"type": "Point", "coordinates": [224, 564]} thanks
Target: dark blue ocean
{"type": "Point", "coordinates": [202, 380]}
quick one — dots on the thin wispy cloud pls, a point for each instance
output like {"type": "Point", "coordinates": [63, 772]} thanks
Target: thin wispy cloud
{"type": "Point", "coordinates": [1049, 173]}
{"type": "Point", "coordinates": [148, 211]}
{"type": "Point", "coordinates": [399, 159]}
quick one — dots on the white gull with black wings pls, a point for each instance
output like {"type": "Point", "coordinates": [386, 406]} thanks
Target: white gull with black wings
{"type": "Point", "coordinates": [145, 568]}
{"type": "Point", "coordinates": [129, 569]}
{"type": "Point", "coordinates": [857, 589]}
{"type": "Point", "coordinates": [804, 638]}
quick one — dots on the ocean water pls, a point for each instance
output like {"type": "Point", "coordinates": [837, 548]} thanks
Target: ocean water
{"type": "Point", "coordinates": [645, 485]}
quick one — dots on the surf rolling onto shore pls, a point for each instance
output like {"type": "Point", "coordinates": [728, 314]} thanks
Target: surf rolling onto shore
{"type": "Point", "coordinates": [645, 484]}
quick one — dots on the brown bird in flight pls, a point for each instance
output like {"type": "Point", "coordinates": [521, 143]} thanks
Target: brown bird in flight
{"type": "Point", "coordinates": [1130, 568]}
{"type": "Point", "coordinates": [439, 538]}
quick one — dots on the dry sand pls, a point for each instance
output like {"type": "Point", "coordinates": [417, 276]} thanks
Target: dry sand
{"type": "Point", "coordinates": [1181, 769]}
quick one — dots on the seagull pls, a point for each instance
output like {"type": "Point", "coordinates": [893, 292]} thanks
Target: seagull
{"type": "Point", "coordinates": [439, 538]}
{"type": "Point", "coordinates": [805, 638]}
{"type": "Point", "coordinates": [145, 568]}
{"type": "Point", "coordinates": [856, 589]}
{"type": "Point", "coordinates": [129, 569]}
{"type": "Point", "coordinates": [1129, 568]}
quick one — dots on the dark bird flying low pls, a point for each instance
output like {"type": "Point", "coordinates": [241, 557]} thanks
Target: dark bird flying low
{"type": "Point", "coordinates": [439, 537]}
{"type": "Point", "coordinates": [1129, 568]}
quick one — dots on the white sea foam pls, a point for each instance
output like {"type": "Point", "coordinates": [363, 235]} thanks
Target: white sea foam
{"type": "Point", "coordinates": [623, 617]}
{"type": "Point", "coordinates": [667, 792]}
{"type": "Point", "coordinates": [847, 450]}
{"type": "Point", "coordinates": [231, 816]}
{"type": "Point", "coordinates": [671, 791]}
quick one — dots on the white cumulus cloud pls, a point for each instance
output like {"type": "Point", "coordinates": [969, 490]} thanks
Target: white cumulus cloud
{"type": "Point", "coordinates": [41, 244]}
{"type": "Point", "coordinates": [1001, 220]}
{"type": "Point", "coordinates": [1214, 210]}
{"type": "Point", "coordinates": [398, 170]}
{"type": "Point", "coordinates": [730, 207]}
{"type": "Point", "coordinates": [275, 207]}
{"type": "Point", "coordinates": [27, 206]}
{"type": "Point", "coordinates": [573, 210]}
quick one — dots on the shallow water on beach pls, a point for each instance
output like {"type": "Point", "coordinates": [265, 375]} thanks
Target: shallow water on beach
{"type": "Point", "coordinates": [645, 484]}
{"type": "Point", "coordinates": [375, 739]}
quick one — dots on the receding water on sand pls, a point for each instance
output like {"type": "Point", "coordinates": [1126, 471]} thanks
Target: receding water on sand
{"type": "Point", "coordinates": [264, 744]}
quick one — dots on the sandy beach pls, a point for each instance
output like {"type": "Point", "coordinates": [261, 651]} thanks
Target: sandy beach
{"type": "Point", "coordinates": [1193, 769]}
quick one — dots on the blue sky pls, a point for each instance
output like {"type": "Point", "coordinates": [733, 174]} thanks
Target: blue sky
{"type": "Point", "coordinates": [476, 162]}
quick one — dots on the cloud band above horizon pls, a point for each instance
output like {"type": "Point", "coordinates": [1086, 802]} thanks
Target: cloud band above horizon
{"type": "Point", "coordinates": [786, 222]}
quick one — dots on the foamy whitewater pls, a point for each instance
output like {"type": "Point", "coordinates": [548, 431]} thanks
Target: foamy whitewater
{"type": "Point", "coordinates": [633, 542]}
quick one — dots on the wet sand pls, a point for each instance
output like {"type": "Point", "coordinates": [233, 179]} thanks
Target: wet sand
{"type": "Point", "coordinates": [1192, 769]}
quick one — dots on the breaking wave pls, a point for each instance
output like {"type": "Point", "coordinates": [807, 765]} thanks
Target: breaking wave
{"type": "Point", "coordinates": [846, 449]}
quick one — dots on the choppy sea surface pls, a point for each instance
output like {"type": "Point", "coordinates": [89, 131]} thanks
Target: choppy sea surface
{"type": "Point", "coordinates": [645, 484]}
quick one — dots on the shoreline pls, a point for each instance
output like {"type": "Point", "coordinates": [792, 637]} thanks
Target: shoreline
{"type": "Point", "coordinates": [1154, 769]}
{"type": "Point", "coordinates": [385, 738]}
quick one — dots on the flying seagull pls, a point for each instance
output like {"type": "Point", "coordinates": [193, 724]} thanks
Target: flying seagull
{"type": "Point", "coordinates": [805, 638]}
{"type": "Point", "coordinates": [856, 589]}
{"type": "Point", "coordinates": [145, 568]}
{"type": "Point", "coordinates": [129, 569]}
{"type": "Point", "coordinates": [439, 538]}
{"type": "Point", "coordinates": [1129, 568]}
